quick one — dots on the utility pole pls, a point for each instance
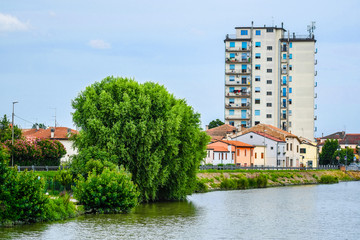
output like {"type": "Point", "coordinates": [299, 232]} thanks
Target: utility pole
{"type": "Point", "coordinates": [12, 133]}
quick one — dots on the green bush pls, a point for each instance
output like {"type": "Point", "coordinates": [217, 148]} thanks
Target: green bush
{"type": "Point", "coordinates": [242, 183]}
{"type": "Point", "coordinates": [201, 187]}
{"type": "Point", "coordinates": [261, 181]}
{"type": "Point", "coordinates": [327, 179]}
{"type": "Point", "coordinates": [60, 208]}
{"type": "Point", "coordinates": [228, 183]}
{"type": "Point", "coordinates": [111, 191]}
{"type": "Point", "coordinates": [65, 177]}
{"type": "Point", "coordinates": [23, 198]}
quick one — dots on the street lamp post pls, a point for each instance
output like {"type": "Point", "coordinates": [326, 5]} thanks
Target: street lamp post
{"type": "Point", "coordinates": [12, 133]}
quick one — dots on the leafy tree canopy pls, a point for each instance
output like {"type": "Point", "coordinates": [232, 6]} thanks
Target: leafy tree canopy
{"type": "Point", "coordinates": [143, 127]}
{"type": "Point", "coordinates": [39, 125]}
{"type": "Point", "coordinates": [6, 131]}
{"type": "Point", "coordinates": [327, 153]}
{"type": "Point", "coordinates": [215, 123]}
{"type": "Point", "coordinates": [348, 152]}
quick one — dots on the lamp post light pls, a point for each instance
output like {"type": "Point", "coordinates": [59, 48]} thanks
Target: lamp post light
{"type": "Point", "coordinates": [12, 133]}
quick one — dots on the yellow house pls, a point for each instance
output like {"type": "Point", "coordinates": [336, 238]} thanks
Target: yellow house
{"type": "Point", "coordinates": [309, 156]}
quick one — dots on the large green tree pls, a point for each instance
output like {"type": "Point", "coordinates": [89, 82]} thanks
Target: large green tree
{"type": "Point", "coordinates": [6, 131]}
{"type": "Point", "coordinates": [143, 127]}
{"type": "Point", "coordinates": [215, 123]}
{"type": "Point", "coordinates": [327, 153]}
{"type": "Point", "coordinates": [342, 153]}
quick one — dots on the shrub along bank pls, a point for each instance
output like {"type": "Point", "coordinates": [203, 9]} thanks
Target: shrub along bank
{"type": "Point", "coordinates": [245, 179]}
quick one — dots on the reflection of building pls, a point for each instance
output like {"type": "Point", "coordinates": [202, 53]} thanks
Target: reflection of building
{"type": "Point", "coordinates": [309, 155]}
{"type": "Point", "coordinates": [61, 134]}
{"type": "Point", "coordinates": [270, 79]}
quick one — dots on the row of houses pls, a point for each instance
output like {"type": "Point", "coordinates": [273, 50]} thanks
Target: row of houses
{"type": "Point", "coordinates": [261, 145]}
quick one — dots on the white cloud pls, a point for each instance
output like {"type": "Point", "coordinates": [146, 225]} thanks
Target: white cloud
{"type": "Point", "coordinates": [99, 44]}
{"type": "Point", "coordinates": [10, 23]}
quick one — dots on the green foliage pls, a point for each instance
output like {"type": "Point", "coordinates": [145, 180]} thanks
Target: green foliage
{"type": "Point", "coordinates": [328, 179]}
{"type": "Point", "coordinates": [107, 192]}
{"type": "Point", "coordinates": [39, 125]}
{"type": "Point", "coordinates": [261, 181]}
{"type": "Point", "coordinates": [39, 152]}
{"type": "Point", "coordinates": [6, 131]}
{"type": "Point", "coordinates": [327, 153]}
{"type": "Point", "coordinates": [23, 197]}
{"type": "Point", "coordinates": [146, 129]}
{"type": "Point", "coordinates": [65, 177]}
{"type": "Point", "coordinates": [244, 183]}
{"type": "Point", "coordinates": [60, 208]}
{"type": "Point", "coordinates": [215, 123]}
{"type": "Point", "coordinates": [348, 152]}
{"type": "Point", "coordinates": [201, 186]}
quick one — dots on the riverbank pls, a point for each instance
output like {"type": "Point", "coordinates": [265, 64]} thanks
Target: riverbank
{"type": "Point", "coordinates": [216, 180]}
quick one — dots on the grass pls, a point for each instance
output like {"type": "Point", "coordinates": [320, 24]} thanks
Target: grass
{"type": "Point", "coordinates": [328, 179]}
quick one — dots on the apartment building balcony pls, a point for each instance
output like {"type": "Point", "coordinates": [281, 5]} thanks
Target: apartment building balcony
{"type": "Point", "coordinates": [237, 60]}
{"type": "Point", "coordinates": [283, 116]}
{"type": "Point", "coordinates": [284, 48]}
{"type": "Point", "coordinates": [237, 106]}
{"type": "Point", "coordinates": [283, 71]}
{"type": "Point", "coordinates": [315, 118]}
{"type": "Point", "coordinates": [283, 105]}
{"type": "Point", "coordinates": [238, 71]}
{"type": "Point", "coordinates": [283, 83]}
{"type": "Point", "coordinates": [283, 60]}
{"type": "Point", "coordinates": [238, 117]}
{"type": "Point", "coordinates": [238, 94]}
{"type": "Point", "coordinates": [237, 83]}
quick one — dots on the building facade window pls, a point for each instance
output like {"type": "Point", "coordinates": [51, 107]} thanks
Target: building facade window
{"type": "Point", "coordinates": [243, 80]}
{"type": "Point", "coordinates": [269, 70]}
{"type": "Point", "coordinates": [257, 89]}
{"type": "Point", "coordinates": [231, 112]}
{"type": "Point", "coordinates": [290, 78]}
{"type": "Point", "coordinates": [257, 44]}
{"type": "Point", "coordinates": [257, 122]}
{"type": "Point", "coordinates": [244, 32]}
{"type": "Point", "coordinates": [290, 56]}
{"type": "Point", "coordinates": [232, 55]}
{"type": "Point", "coordinates": [257, 55]}
{"type": "Point", "coordinates": [232, 44]}
{"type": "Point", "coordinates": [257, 66]}
{"type": "Point", "coordinates": [290, 45]}
{"type": "Point", "coordinates": [284, 56]}
{"type": "Point", "coordinates": [232, 66]}
{"type": "Point", "coordinates": [268, 81]}
{"type": "Point", "coordinates": [302, 150]}
{"type": "Point", "coordinates": [269, 59]}
{"type": "Point", "coordinates": [257, 78]}
{"type": "Point", "coordinates": [244, 45]}
{"type": "Point", "coordinates": [269, 104]}
{"type": "Point", "coordinates": [290, 90]}
{"type": "Point", "coordinates": [269, 30]}
{"type": "Point", "coordinates": [258, 32]}
{"type": "Point", "coordinates": [231, 78]}
{"type": "Point", "coordinates": [290, 67]}
{"type": "Point", "coordinates": [268, 115]}
{"type": "Point", "coordinates": [290, 101]}
{"type": "Point", "coordinates": [257, 112]}
{"type": "Point", "coordinates": [269, 48]}
{"type": "Point", "coordinates": [284, 92]}
{"type": "Point", "coordinates": [257, 100]}
{"type": "Point", "coordinates": [231, 100]}
{"type": "Point", "coordinates": [284, 80]}
{"type": "Point", "coordinates": [269, 93]}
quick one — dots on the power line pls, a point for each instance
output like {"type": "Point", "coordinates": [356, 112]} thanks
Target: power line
{"type": "Point", "coordinates": [23, 119]}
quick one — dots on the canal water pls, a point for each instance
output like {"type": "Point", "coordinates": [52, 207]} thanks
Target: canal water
{"type": "Point", "coordinates": [298, 212]}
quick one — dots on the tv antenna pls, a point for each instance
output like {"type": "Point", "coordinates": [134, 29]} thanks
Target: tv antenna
{"type": "Point", "coordinates": [311, 29]}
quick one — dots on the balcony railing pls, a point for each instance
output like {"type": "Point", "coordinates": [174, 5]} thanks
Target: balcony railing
{"type": "Point", "coordinates": [238, 94]}
{"type": "Point", "coordinates": [283, 116]}
{"type": "Point", "coordinates": [237, 49]}
{"type": "Point", "coordinates": [283, 71]}
{"type": "Point", "coordinates": [283, 48]}
{"type": "Point", "coordinates": [237, 105]}
{"type": "Point", "coordinates": [238, 71]}
{"type": "Point", "coordinates": [237, 60]}
{"type": "Point", "coordinates": [237, 117]}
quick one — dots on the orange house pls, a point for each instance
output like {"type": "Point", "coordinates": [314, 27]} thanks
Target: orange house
{"type": "Point", "coordinates": [244, 153]}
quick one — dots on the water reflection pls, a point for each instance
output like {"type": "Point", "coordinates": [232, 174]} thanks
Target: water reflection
{"type": "Point", "coordinates": [302, 212]}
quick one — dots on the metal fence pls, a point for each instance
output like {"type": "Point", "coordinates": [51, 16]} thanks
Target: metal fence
{"type": "Point", "coordinates": [232, 167]}
{"type": "Point", "coordinates": [41, 168]}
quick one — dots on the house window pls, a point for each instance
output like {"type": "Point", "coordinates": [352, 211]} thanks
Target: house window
{"type": "Point", "coordinates": [269, 70]}
{"type": "Point", "coordinates": [257, 78]}
{"type": "Point", "coordinates": [290, 45]}
{"type": "Point", "coordinates": [257, 66]}
{"type": "Point", "coordinates": [257, 100]}
{"type": "Point", "coordinates": [290, 67]}
{"type": "Point", "coordinates": [284, 92]}
{"type": "Point", "coordinates": [243, 68]}
{"type": "Point", "coordinates": [232, 66]}
{"type": "Point", "coordinates": [269, 104]}
{"type": "Point", "coordinates": [255, 155]}
{"type": "Point", "coordinates": [290, 56]}
{"type": "Point", "coordinates": [257, 112]}
{"type": "Point", "coordinates": [244, 45]}
{"type": "Point", "coordinates": [284, 56]}
{"type": "Point", "coordinates": [269, 59]}
{"type": "Point", "coordinates": [290, 101]}
{"type": "Point", "coordinates": [257, 44]}
{"type": "Point", "coordinates": [290, 146]}
{"type": "Point", "coordinates": [272, 148]}
{"type": "Point", "coordinates": [243, 80]}
{"type": "Point", "coordinates": [231, 123]}
{"type": "Point", "coordinates": [290, 78]}
{"type": "Point", "coordinates": [245, 152]}
{"type": "Point", "coordinates": [232, 55]}
{"type": "Point", "coordinates": [269, 48]}
{"type": "Point", "coordinates": [257, 122]}
{"type": "Point", "coordinates": [284, 80]}
{"type": "Point", "coordinates": [262, 155]}
{"type": "Point", "coordinates": [232, 44]}
{"type": "Point", "coordinates": [268, 115]}
{"type": "Point", "coordinates": [244, 32]}
{"type": "Point", "coordinates": [257, 89]}
{"type": "Point", "coordinates": [268, 81]}
{"type": "Point", "coordinates": [232, 78]}
{"type": "Point", "coordinates": [238, 152]}
{"type": "Point", "coordinates": [290, 90]}
{"type": "Point", "coordinates": [232, 100]}
{"type": "Point", "coordinates": [287, 147]}
{"type": "Point", "coordinates": [269, 30]}
{"type": "Point", "coordinates": [251, 136]}
{"type": "Point", "coordinates": [269, 93]}
{"type": "Point", "coordinates": [297, 148]}
{"type": "Point", "coordinates": [290, 112]}
{"type": "Point", "coordinates": [231, 89]}
{"type": "Point", "coordinates": [257, 55]}
{"type": "Point", "coordinates": [231, 112]}
{"type": "Point", "coordinates": [258, 32]}
{"type": "Point", "coordinates": [302, 150]}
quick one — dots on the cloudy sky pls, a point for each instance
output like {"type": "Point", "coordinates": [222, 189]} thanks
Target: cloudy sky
{"type": "Point", "coordinates": [52, 50]}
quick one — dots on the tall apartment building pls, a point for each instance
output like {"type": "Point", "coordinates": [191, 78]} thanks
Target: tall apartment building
{"type": "Point", "coordinates": [270, 78]}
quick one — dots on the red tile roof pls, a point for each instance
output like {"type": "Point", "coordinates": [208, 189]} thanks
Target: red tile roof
{"type": "Point", "coordinates": [269, 136]}
{"type": "Point", "coordinates": [221, 131]}
{"type": "Point", "coordinates": [60, 133]}
{"type": "Point", "coordinates": [237, 143]}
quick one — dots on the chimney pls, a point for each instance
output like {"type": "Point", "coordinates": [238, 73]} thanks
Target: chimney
{"type": "Point", "coordinates": [282, 25]}
{"type": "Point", "coordinates": [206, 127]}
{"type": "Point", "coordinates": [68, 132]}
{"type": "Point", "coordinates": [52, 135]}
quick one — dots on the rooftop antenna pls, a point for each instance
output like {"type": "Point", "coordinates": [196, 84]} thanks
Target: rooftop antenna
{"type": "Point", "coordinates": [54, 116]}
{"type": "Point", "coordinates": [311, 29]}
{"type": "Point", "coordinates": [272, 21]}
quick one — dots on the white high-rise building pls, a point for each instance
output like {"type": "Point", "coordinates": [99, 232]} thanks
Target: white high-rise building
{"type": "Point", "coordinates": [270, 78]}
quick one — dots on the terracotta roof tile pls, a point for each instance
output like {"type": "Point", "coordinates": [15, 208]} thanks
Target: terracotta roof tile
{"type": "Point", "coordinates": [60, 133]}
{"type": "Point", "coordinates": [269, 136]}
{"type": "Point", "coordinates": [237, 143]}
{"type": "Point", "coordinates": [221, 130]}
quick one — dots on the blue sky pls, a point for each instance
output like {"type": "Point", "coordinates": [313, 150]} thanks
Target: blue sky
{"type": "Point", "coordinates": [52, 50]}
